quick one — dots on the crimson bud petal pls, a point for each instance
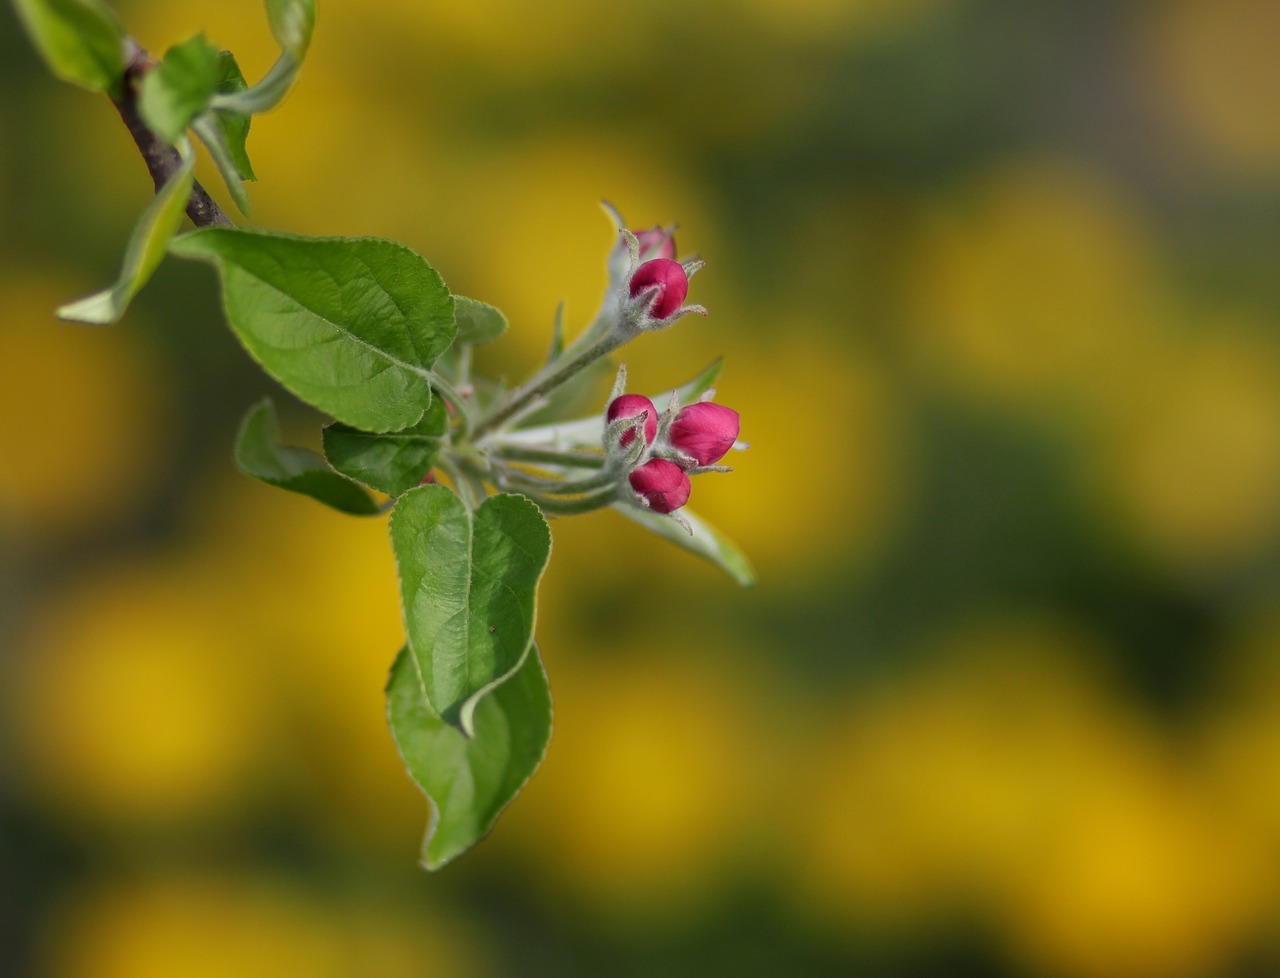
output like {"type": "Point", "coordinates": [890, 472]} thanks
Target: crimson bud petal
{"type": "Point", "coordinates": [662, 483]}
{"type": "Point", "coordinates": [705, 431]}
{"type": "Point", "coordinates": [670, 280]}
{"type": "Point", "coordinates": [631, 406]}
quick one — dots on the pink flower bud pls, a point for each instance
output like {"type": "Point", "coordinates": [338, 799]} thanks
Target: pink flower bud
{"type": "Point", "coordinates": [705, 431]}
{"type": "Point", "coordinates": [662, 483]}
{"type": "Point", "coordinates": [656, 240]}
{"type": "Point", "coordinates": [630, 406]}
{"type": "Point", "coordinates": [668, 278]}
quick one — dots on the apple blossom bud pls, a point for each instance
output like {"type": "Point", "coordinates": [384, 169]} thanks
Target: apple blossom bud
{"type": "Point", "coordinates": [662, 484]}
{"type": "Point", "coordinates": [669, 280]}
{"type": "Point", "coordinates": [657, 241]}
{"type": "Point", "coordinates": [631, 406]}
{"type": "Point", "coordinates": [704, 431]}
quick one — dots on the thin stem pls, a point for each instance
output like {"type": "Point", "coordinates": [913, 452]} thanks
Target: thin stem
{"type": "Point", "coordinates": [460, 403]}
{"type": "Point", "coordinates": [162, 159]}
{"type": "Point", "coordinates": [569, 507]}
{"type": "Point", "coordinates": [559, 487]}
{"type": "Point", "coordinates": [461, 484]}
{"type": "Point", "coordinates": [549, 378]}
{"type": "Point", "coordinates": [577, 460]}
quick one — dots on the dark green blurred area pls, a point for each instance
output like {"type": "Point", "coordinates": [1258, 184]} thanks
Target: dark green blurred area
{"type": "Point", "coordinates": [995, 282]}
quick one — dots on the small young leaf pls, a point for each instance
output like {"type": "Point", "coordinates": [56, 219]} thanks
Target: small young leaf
{"type": "Point", "coordinates": [478, 322]}
{"type": "Point", "coordinates": [211, 132]}
{"type": "Point", "coordinates": [258, 453]}
{"type": "Point", "coordinates": [705, 541]}
{"type": "Point", "coordinates": [351, 325]}
{"type": "Point", "coordinates": [393, 462]}
{"type": "Point", "coordinates": [80, 40]}
{"type": "Point", "coordinates": [234, 125]}
{"type": "Point", "coordinates": [179, 88]}
{"type": "Point", "coordinates": [468, 582]}
{"type": "Point", "coordinates": [146, 249]}
{"type": "Point", "coordinates": [469, 780]}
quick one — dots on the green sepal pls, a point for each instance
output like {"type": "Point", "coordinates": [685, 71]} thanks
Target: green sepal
{"type": "Point", "coordinates": [146, 248]}
{"type": "Point", "coordinates": [468, 781]}
{"type": "Point", "coordinates": [81, 41]}
{"type": "Point", "coordinates": [469, 582]}
{"type": "Point", "coordinates": [179, 88]}
{"type": "Point", "coordinates": [258, 453]}
{"type": "Point", "coordinates": [391, 462]}
{"type": "Point", "coordinates": [478, 322]}
{"type": "Point", "coordinates": [351, 325]}
{"type": "Point", "coordinates": [704, 540]}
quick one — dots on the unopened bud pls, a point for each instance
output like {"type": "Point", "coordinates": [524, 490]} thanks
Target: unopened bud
{"type": "Point", "coordinates": [668, 282]}
{"type": "Point", "coordinates": [704, 431]}
{"type": "Point", "coordinates": [662, 484]}
{"type": "Point", "coordinates": [656, 243]}
{"type": "Point", "coordinates": [632, 406]}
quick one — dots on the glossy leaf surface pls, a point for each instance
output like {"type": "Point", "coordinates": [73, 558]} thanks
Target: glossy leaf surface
{"type": "Point", "coordinates": [469, 780]}
{"type": "Point", "coordinates": [259, 453]}
{"type": "Point", "coordinates": [468, 582]}
{"type": "Point", "coordinates": [351, 325]}
{"type": "Point", "coordinates": [392, 462]}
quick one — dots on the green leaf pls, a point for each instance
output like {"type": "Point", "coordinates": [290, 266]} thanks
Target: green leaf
{"type": "Point", "coordinates": [234, 125]}
{"type": "Point", "coordinates": [393, 462]}
{"type": "Point", "coordinates": [146, 249]}
{"type": "Point", "coordinates": [351, 325]}
{"type": "Point", "coordinates": [213, 135]}
{"type": "Point", "coordinates": [705, 540]}
{"type": "Point", "coordinates": [291, 24]}
{"type": "Point", "coordinates": [478, 322]}
{"type": "Point", "coordinates": [80, 40]}
{"type": "Point", "coordinates": [469, 780]}
{"type": "Point", "coordinates": [180, 87]}
{"type": "Point", "coordinates": [468, 582]}
{"type": "Point", "coordinates": [259, 454]}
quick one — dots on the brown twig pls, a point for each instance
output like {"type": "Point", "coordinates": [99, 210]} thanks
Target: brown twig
{"type": "Point", "coordinates": [162, 159]}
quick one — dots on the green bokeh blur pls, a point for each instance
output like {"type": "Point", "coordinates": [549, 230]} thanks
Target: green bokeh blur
{"type": "Point", "coordinates": [996, 283]}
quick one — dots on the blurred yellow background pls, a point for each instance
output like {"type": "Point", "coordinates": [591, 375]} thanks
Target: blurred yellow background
{"type": "Point", "coordinates": [996, 284]}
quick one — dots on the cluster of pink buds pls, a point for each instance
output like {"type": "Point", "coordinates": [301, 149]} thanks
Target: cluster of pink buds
{"type": "Point", "coordinates": [677, 444]}
{"type": "Point", "coordinates": [651, 284]}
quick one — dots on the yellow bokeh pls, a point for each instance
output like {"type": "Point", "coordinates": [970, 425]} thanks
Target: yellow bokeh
{"type": "Point", "coordinates": [1039, 285]}
{"type": "Point", "coordinates": [87, 435]}
{"type": "Point", "coordinates": [1011, 783]}
{"type": "Point", "coordinates": [212, 926]}
{"type": "Point", "coordinates": [130, 705]}
{"type": "Point", "coordinates": [1190, 457]}
{"type": "Point", "coordinates": [647, 792]}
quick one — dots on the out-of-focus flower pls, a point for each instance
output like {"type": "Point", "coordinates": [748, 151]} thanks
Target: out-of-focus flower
{"type": "Point", "coordinates": [656, 243]}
